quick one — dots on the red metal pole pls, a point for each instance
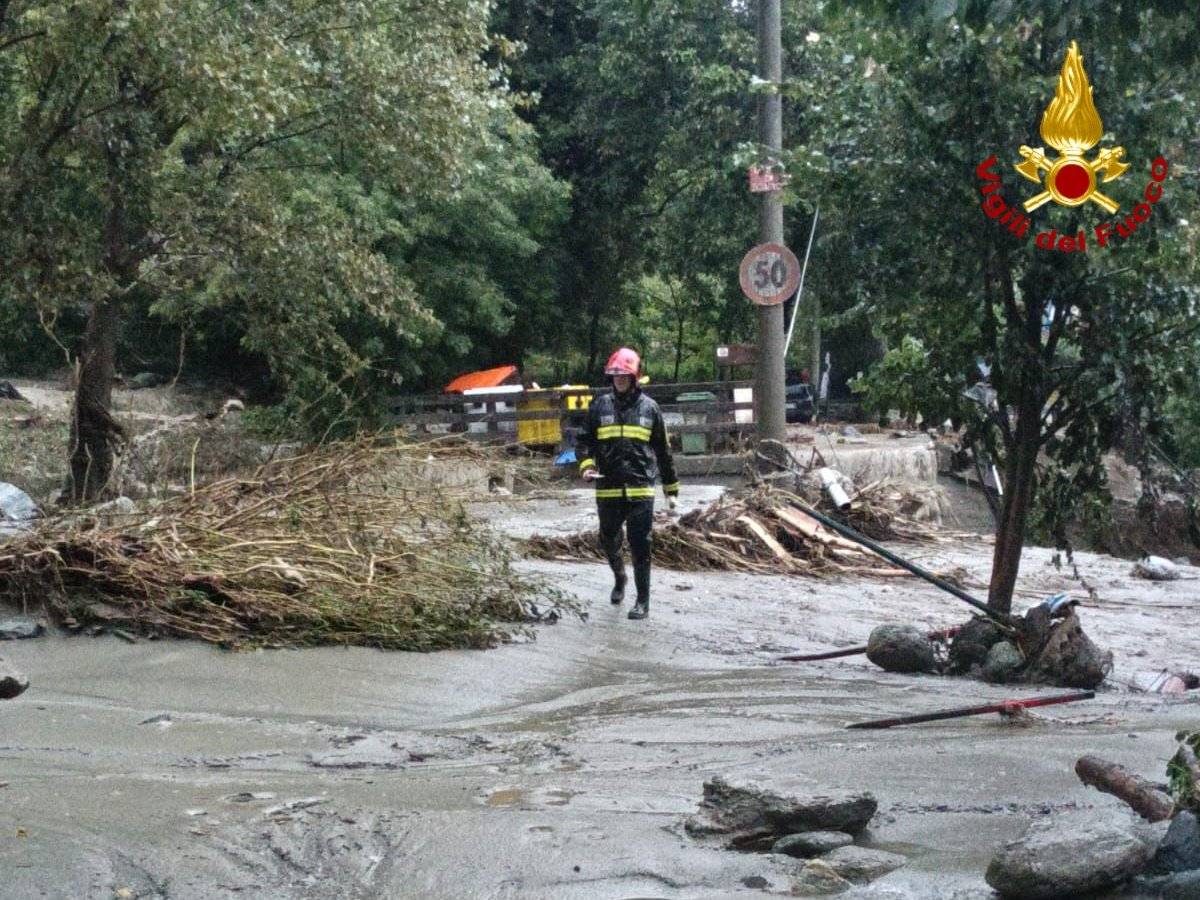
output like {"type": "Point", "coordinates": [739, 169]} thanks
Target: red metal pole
{"type": "Point", "coordinates": [1002, 706]}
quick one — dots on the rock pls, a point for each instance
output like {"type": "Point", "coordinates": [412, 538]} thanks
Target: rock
{"type": "Point", "coordinates": [860, 865]}
{"type": "Point", "coordinates": [818, 879]}
{"type": "Point", "coordinates": [901, 648]}
{"type": "Point", "coordinates": [8, 392]}
{"type": "Point", "coordinates": [1003, 663]}
{"type": "Point", "coordinates": [1180, 886]}
{"type": "Point", "coordinates": [971, 645]}
{"type": "Point", "coordinates": [1070, 659]}
{"type": "Point", "coordinates": [20, 628]}
{"type": "Point", "coordinates": [754, 818]}
{"type": "Point", "coordinates": [811, 843]}
{"type": "Point", "coordinates": [1068, 857]}
{"type": "Point", "coordinates": [12, 683]}
{"type": "Point", "coordinates": [1155, 568]}
{"type": "Point", "coordinates": [17, 509]}
{"type": "Point", "coordinates": [1180, 849]}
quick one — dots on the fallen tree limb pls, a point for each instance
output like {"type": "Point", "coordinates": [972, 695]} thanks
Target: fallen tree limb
{"type": "Point", "coordinates": [1146, 800]}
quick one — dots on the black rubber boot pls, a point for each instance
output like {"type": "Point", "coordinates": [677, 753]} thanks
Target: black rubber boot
{"type": "Point", "coordinates": [641, 578]}
{"type": "Point", "coordinates": [618, 591]}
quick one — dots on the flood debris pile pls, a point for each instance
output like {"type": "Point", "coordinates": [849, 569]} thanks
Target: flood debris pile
{"type": "Point", "coordinates": [1073, 856]}
{"type": "Point", "coordinates": [1040, 648]}
{"type": "Point", "coordinates": [763, 531]}
{"type": "Point", "coordinates": [348, 544]}
{"type": "Point", "coordinates": [818, 830]}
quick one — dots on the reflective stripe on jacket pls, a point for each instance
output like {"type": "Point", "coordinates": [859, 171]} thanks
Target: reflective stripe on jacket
{"type": "Point", "coordinates": [625, 438]}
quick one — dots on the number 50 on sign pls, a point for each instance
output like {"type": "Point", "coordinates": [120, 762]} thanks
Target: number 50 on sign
{"type": "Point", "coordinates": [769, 274]}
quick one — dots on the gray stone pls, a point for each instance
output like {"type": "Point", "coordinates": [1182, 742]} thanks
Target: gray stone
{"type": "Point", "coordinates": [1069, 658]}
{"type": "Point", "coordinates": [12, 683]}
{"type": "Point", "coordinates": [818, 879]}
{"type": "Point", "coordinates": [901, 648]}
{"type": "Point", "coordinates": [860, 865]}
{"type": "Point", "coordinates": [1180, 849]}
{"type": "Point", "coordinates": [17, 509]}
{"type": "Point", "coordinates": [20, 628]}
{"type": "Point", "coordinates": [971, 645]}
{"type": "Point", "coordinates": [1068, 856]}
{"type": "Point", "coordinates": [1003, 663]}
{"type": "Point", "coordinates": [1180, 886]}
{"type": "Point", "coordinates": [811, 843]}
{"type": "Point", "coordinates": [754, 817]}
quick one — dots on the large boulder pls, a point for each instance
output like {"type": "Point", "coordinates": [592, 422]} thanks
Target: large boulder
{"type": "Point", "coordinates": [1180, 849]}
{"type": "Point", "coordinates": [901, 648]}
{"type": "Point", "coordinates": [969, 649]}
{"type": "Point", "coordinates": [1069, 856]}
{"type": "Point", "coordinates": [811, 843]}
{"type": "Point", "coordinates": [860, 865]}
{"type": "Point", "coordinates": [752, 817]}
{"type": "Point", "coordinates": [1069, 658]}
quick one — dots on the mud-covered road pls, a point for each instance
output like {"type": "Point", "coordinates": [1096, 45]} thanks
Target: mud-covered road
{"type": "Point", "coordinates": [560, 768]}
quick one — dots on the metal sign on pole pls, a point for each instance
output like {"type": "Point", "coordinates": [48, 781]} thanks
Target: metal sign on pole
{"type": "Point", "coordinates": [769, 274]}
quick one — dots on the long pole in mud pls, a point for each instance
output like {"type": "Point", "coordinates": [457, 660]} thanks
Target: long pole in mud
{"type": "Point", "coordinates": [1004, 706]}
{"type": "Point", "coordinates": [848, 532]}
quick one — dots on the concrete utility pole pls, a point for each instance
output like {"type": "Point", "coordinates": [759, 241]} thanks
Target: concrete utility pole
{"type": "Point", "coordinates": [768, 371]}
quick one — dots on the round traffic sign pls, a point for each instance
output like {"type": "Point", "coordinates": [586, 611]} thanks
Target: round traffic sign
{"type": "Point", "coordinates": [770, 273]}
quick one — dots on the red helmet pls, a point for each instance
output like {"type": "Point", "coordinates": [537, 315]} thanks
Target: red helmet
{"type": "Point", "coordinates": [623, 362]}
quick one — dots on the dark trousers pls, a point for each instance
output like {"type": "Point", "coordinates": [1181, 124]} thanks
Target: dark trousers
{"type": "Point", "coordinates": [637, 516]}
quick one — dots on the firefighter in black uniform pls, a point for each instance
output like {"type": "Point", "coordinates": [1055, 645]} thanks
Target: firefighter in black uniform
{"type": "Point", "coordinates": [623, 448]}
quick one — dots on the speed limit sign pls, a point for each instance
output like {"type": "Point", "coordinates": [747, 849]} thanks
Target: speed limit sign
{"type": "Point", "coordinates": [769, 274]}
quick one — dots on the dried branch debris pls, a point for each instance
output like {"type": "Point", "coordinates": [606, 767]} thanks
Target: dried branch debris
{"type": "Point", "coordinates": [763, 531]}
{"type": "Point", "coordinates": [349, 544]}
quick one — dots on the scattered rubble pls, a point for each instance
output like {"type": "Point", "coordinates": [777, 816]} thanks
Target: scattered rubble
{"type": "Point", "coordinates": [1070, 856]}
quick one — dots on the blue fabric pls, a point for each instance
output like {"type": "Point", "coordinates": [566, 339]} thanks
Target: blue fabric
{"type": "Point", "coordinates": [566, 458]}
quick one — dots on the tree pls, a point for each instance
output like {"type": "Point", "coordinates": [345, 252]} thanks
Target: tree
{"type": "Point", "coordinates": [228, 155]}
{"type": "Point", "coordinates": [1080, 344]}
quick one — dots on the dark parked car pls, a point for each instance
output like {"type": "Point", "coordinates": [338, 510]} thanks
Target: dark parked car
{"type": "Point", "coordinates": [799, 405]}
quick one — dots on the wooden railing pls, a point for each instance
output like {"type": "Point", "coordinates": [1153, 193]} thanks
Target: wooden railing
{"type": "Point", "coordinates": [541, 416]}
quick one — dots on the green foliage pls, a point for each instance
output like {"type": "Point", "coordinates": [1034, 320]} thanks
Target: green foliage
{"type": "Point", "coordinates": [1183, 415]}
{"type": "Point", "coordinates": [1181, 772]}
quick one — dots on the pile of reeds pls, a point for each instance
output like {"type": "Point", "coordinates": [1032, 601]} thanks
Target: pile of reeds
{"type": "Point", "coordinates": [348, 544]}
{"type": "Point", "coordinates": [763, 531]}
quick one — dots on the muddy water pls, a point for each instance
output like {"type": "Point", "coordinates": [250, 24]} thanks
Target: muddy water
{"type": "Point", "coordinates": [561, 768]}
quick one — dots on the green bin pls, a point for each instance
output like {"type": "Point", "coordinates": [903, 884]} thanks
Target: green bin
{"type": "Point", "coordinates": [695, 442]}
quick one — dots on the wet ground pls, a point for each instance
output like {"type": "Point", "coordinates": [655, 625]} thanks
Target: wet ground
{"type": "Point", "coordinates": [564, 767]}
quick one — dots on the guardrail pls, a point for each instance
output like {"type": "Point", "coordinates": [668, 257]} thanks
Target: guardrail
{"type": "Point", "coordinates": [546, 416]}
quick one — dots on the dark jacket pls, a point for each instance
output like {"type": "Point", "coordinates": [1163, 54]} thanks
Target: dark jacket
{"type": "Point", "coordinates": [625, 439]}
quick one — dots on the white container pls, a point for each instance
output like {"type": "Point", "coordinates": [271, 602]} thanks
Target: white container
{"type": "Point", "coordinates": [743, 416]}
{"type": "Point", "coordinates": [500, 405]}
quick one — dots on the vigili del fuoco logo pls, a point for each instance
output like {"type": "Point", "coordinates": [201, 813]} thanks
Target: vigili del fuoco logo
{"type": "Point", "coordinates": [1071, 125]}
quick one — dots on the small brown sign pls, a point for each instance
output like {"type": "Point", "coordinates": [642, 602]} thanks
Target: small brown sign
{"type": "Point", "coordinates": [770, 273]}
{"type": "Point", "coordinates": [737, 355]}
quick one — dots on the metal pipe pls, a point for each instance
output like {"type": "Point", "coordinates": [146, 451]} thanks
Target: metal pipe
{"type": "Point", "coordinates": [1003, 706]}
{"type": "Point", "coordinates": [848, 532]}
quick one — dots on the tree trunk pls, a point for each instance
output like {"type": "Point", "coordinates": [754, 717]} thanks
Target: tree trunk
{"type": "Point", "coordinates": [94, 433]}
{"type": "Point", "coordinates": [1019, 477]}
{"type": "Point", "coordinates": [1147, 801]}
